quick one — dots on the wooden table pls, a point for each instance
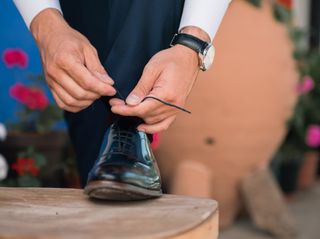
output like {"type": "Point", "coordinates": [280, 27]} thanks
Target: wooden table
{"type": "Point", "coordinates": [49, 213]}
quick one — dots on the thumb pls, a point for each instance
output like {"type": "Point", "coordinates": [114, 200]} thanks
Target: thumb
{"type": "Point", "coordinates": [94, 65]}
{"type": "Point", "coordinates": [144, 86]}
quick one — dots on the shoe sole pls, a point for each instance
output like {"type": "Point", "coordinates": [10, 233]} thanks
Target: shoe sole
{"type": "Point", "coordinates": [115, 191]}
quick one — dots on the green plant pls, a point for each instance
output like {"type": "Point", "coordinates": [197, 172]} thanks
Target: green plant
{"type": "Point", "coordinates": [25, 170]}
{"type": "Point", "coordinates": [36, 113]}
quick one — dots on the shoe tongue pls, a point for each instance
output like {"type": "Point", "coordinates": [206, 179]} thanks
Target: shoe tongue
{"type": "Point", "coordinates": [129, 123]}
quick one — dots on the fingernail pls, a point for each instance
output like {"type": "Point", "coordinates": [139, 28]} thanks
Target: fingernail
{"type": "Point", "coordinates": [113, 91]}
{"type": "Point", "coordinates": [133, 99]}
{"type": "Point", "coordinates": [104, 77]}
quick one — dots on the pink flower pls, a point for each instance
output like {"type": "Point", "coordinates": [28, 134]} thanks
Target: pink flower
{"type": "Point", "coordinates": [15, 57]}
{"type": "Point", "coordinates": [33, 98]}
{"type": "Point", "coordinates": [313, 136]}
{"type": "Point", "coordinates": [155, 141]}
{"type": "Point", "coordinates": [306, 85]}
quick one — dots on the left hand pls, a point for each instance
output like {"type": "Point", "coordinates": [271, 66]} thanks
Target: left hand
{"type": "Point", "coordinates": [169, 76]}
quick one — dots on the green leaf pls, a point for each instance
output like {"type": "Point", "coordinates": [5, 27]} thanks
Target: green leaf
{"type": "Point", "coordinates": [48, 118]}
{"type": "Point", "coordinates": [281, 13]}
{"type": "Point", "coordinates": [9, 182]}
{"type": "Point", "coordinates": [40, 160]}
{"type": "Point", "coordinates": [256, 3]}
{"type": "Point", "coordinates": [28, 181]}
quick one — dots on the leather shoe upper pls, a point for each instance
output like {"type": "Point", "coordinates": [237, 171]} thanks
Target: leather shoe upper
{"type": "Point", "coordinates": [126, 156]}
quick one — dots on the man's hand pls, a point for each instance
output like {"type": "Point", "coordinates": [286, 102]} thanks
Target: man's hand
{"type": "Point", "coordinates": [169, 76]}
{"type": "Point", "coordinates": [71, 64]}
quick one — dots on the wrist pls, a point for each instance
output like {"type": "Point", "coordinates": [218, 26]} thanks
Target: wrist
{"type": "Point", "coordinates": [190, 55]}
{"type": "Point", "coordinates": [197, 40]}
{"type": "Point", "coordinates": [197, 32]}
{"type": "Point", "coordinates": [45, 21]}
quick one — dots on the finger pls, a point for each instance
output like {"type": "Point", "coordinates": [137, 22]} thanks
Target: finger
{"type": "Point", "coordinates": [153, 107]}
{"type": "Point", "coordinates": [66, 98]}
{"type": "Point", "coordinates": [89, 82]}
{"type": "Point", "coordinates": [158, 127]}
{"type": "Point", "coordinates": [116, 101]}
{"type": "Point", "coordinates": [125, 110]}
{"type": "Point", "coordinates": [91, 60]}
{"type": "Point", "coordinates": [140, 110]}
{"type": "Point", "coordinates": [72, 88]}
{"type": "Point", "coordinates": [104, 77]}
{"type": "Point", "coordinates": [64, 106]}
{"type": "Point", "coordinates": [147, 108]}
{"type": "Point", "coordinates": [158, 118]}
{"type": "Point", "coordinates": [144, 86]}
{"type": "Point", "coordinates": [93, 64]}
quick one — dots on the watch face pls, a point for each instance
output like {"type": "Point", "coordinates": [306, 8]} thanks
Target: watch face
{"type": "Point", "coordinates": [208, 57]}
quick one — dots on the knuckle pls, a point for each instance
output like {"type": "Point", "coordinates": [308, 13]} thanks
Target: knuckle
{"type": "Point", "coordinates": [170, 97]}
{"type": "Point", "coordinates": [69, 101]}
{"type": "Point", "coordinates": [49, 81]}
{"type": "Point", "coordinates": [93, 97]}
{"type": "Point", "coordinates": [86, 84]}
{"type": "Point", "coordinates": [50, 70]}
{"type": "Point", "coordinates": [62, 60]}
{"type": "Point", "coordinates": [142, 112]}
{"type": "Point", "coordinates": [94, 50]}
{"type": "Point", "coordinates": [142, 88]}
{"type": "Point", "coordinates": [85, 105]}
{"type": "Point", "coordinates": [81, 95]}
{"type": "Point", "coordinates": [149, 121]}
{"type": "Point", "coordinates": [149, 69]}
{"type": "Point", "coordinates": [154, 120]}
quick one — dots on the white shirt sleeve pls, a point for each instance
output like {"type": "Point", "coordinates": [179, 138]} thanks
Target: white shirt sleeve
{"type": "Point", "coordinates": [30, 8]}
{"type": "Point", "coordinates": [205, 14]}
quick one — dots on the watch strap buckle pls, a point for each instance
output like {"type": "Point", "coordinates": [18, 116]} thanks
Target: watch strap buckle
{"type": "Point", "coordinates": [172, 40]}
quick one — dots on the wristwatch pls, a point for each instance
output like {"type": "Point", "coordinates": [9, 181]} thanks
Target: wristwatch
{"type": "Point", "coordinates": [204, 49]}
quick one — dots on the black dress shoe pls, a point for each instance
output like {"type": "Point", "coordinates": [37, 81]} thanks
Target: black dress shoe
{"type": "Point", "coordinates": [126, 168]}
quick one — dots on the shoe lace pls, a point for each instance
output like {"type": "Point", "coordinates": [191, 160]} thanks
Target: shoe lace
{"type": "Point", "coordinates": [123, 143]}
{"type": "Point", "coordinates": [155, 98]}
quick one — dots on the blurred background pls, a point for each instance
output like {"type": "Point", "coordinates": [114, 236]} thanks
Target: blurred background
{"type": "Point", "coordinates": [251, 143]}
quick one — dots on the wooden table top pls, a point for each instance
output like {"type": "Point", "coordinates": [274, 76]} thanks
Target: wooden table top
{"type": "Point", "coordinates": [68, 213]}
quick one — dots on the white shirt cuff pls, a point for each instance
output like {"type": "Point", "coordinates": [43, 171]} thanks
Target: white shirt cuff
{"type": "Point", "coordinates": [205, 14]}
{"type": "Point", "coordinates": [30, 8]}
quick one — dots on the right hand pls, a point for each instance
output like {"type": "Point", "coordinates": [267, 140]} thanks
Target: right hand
{"type": "Point", "coordinates": [71, 64]}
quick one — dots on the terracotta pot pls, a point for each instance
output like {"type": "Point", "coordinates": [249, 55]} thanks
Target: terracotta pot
{"type": "Point", "coordinates": [51, 145]}
{"type": "Point", "coordinates": [239, 110]}
{"type": "Point", "coordinates": [308, 170]}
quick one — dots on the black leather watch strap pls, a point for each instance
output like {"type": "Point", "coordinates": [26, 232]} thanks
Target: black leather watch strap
{"type": "Point", "coordinates": [190, 41]}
